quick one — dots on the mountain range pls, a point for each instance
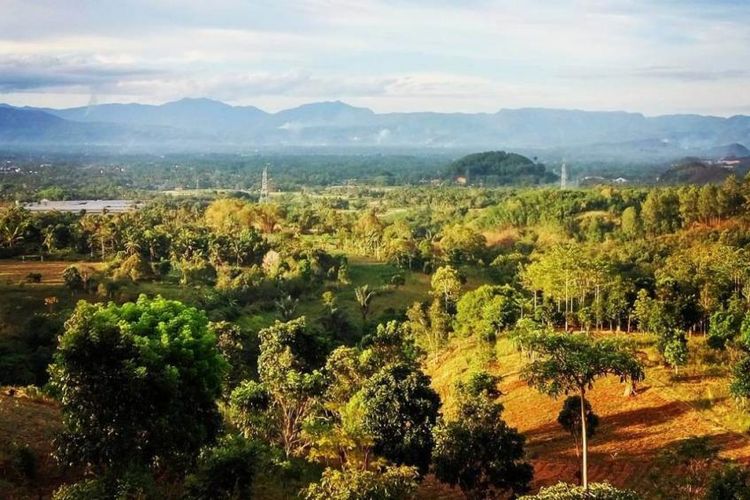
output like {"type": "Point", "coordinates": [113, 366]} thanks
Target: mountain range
{"type": "Point", "coordinates": [191, 124]}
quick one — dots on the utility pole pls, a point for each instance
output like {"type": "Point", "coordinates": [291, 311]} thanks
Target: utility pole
{"type": "Point", "coordinates": [564, 176]}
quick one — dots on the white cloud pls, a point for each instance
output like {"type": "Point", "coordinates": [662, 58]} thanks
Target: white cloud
{"type": "Point", "coordinates": [683, 56]}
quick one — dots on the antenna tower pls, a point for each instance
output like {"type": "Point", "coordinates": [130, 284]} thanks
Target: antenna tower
{"type": "Point", "coordinates": [264, 196]}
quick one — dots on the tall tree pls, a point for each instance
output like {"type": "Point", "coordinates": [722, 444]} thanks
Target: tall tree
{"type": "Point", "coordinates": [565, 363]}
{"type": "Point", "coordinates": [446, 284]}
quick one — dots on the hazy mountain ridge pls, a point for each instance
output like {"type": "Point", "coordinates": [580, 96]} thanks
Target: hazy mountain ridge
{"type": "Point", "coordinates": [205, 122]}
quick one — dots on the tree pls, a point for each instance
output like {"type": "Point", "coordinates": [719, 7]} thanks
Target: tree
{"type": "Point", "coordinates": [461, 244]}
{"type": "Point", "coordinates": [570, 419]}
{"type": "Point", "coordinates": [477, 450]}
{"type": "Point", "coordinates": [72, 278]}
{"type": "Point", "coordinates": [228, 215]}
{"type": "Point", "coordinates": [676, 350]}
{"type": "Point", "coordinates": [400, 409]}
{"type": "Point", "coordinates": [487, 310]}
{"type": "Point", "coordinates": [288, 392]}
{"type": "Point", "coordinates": [630, 222]}
{"type": "Point", "coordinates": [363, 295]}
{"type": "Point", "coordinates": [138, 383]}
{"type": "Point", "coordinates": [394, 483]}
{"type": "Point", "coordinates": [446, 284]}
{"type": "Point", "coordinates": [565, 363]}
{"type": "Point", "coordinates": [234, 347]}
{"type": "Point", "coordinates": [595, 491]}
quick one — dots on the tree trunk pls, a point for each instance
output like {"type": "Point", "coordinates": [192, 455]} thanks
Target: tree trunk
{"type": "Point", "coordinates": [584, 443]}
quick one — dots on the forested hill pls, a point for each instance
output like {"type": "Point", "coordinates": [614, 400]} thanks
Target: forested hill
{"type": "Point", "coordinates": [501, 168]}
{"type": "Point", "coordinates": [696, 171]}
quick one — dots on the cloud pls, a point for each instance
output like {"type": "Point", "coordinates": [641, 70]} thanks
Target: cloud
{"type": "Point", "coordinates": [25, 72]}
{"type": "Point", "coordinates": [676, 55]}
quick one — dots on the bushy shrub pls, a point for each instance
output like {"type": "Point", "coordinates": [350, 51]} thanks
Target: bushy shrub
{"type": "Point", "coordinates": [596, 491]}
{"type": "Point", "coordinates": [34, 278]}
{"type": "Point", "coordinates": [395, 483]}
{"type": "Point", "coordinates": [131, 483]}
{"type": "Point", "coordinates": [730, 482]}
{"type": "Point", "coordinates": [224, 471]}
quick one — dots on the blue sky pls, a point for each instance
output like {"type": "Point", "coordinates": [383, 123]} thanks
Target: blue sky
{"type": "Point", "coordinates": [652, 56]}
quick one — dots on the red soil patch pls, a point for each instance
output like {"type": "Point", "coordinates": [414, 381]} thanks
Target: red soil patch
{"type": "Point", "coordinates": [632, 432]}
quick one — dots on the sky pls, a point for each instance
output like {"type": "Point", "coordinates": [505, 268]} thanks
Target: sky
{"type": "Point", "coordinates": [649, 56]}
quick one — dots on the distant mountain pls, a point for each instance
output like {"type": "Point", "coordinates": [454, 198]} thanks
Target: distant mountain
{"type": "Point", "coordinates": [203, 124]}
{"type": "Point", "coordinates": [734, 150]}
{"type": "Point", "coordinates": [32, 126]}
{"type": "Point", "coordinates": [204, 115]}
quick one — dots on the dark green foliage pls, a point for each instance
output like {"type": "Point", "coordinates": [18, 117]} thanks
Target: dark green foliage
{"type": "Point", "coordinates": [477, 450]}
{"type": "Point", "coordinates": [570, 418]}
{"type": "Point", "coordinates": [740, 385]}
{"type": "Point", "coordinates": [138, 383]}
{"type": "Point", "coordinates": [501, 168]}
{"type": "Point", "coordinates": [235, 346]}
{"type": "Point", "coordinates": [34, 278]}
{"type": "Point", "coordinates": [131, 483]}
{"type": "Point", "coordinates": [289, 388]}
{"type": "Point", "coordinates": [24, 464]}
{"type": "Point", "coordinates": [724, 326]}
{"type": "Point", "coordinates": [675, 348]}
{"type": "Point", "coordinates": [72, 278]}
{"type": "Point", "coordinates": [400, 410]}
{"type": "Point", "coordinates": [250, 404]}
{"type": "Point", "coordinates": [732, 482]}
{"type": "Point", "coordinates": [225, 470]}
{"type": "Point", "coordinates": [696, 456]}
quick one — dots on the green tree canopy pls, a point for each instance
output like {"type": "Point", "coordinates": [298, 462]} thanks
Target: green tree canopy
{"type": "Point", "coordinates": [138, 382]}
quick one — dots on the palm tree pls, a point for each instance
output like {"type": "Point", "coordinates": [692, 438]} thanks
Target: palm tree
{"type": "Point", "coordinates": [48, 240]}
{"type": "Point", "coordinates": [287, 306]}
{"type": "Point", "coordinates": [363, 295]}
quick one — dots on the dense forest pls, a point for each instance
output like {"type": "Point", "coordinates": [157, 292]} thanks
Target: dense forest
{"type": "Point", "coordinates": [375, 341]}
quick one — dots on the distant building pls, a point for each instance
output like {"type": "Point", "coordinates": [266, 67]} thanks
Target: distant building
{"type": "Point", "coordinates": [89, 206]}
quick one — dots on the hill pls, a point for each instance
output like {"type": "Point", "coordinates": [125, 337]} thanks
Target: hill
{"type": "Point", "coordinates": [695, 171]}
{"type": "Point", "coordinates": [501, 168]}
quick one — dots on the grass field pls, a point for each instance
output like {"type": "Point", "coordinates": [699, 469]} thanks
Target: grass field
{"type": "Point", "coordinates": [13, 272]}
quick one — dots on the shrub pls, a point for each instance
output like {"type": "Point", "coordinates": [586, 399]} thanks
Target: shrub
{"type": "Point", "coordinates": [596, 491]}
{"type": "Point", "coordinates": [730, 482]}
{"type": "Point", "coordinates": [72, 278]}
{"type": "Point", "coordinates": [134, 268]}
{"type": "Point", "coordinates": [395, 483]}
{"type": "Point", "coordinates": [225, 470]}
{"type": "Point", "coordinates": [34, 278]}
{"type": "Point", "coordinates": [570, 419]}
